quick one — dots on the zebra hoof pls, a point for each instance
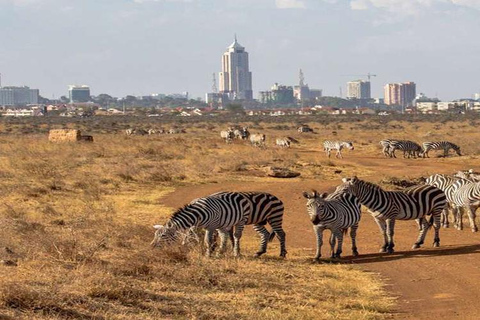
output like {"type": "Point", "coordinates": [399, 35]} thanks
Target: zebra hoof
{"type": "Point", "coordinates": [259, 253]}
{"type": "Point", "coordinates": [416, 246]}
{"type": "Point", "coordinates": [474, 229]}
{"type": "Point", "coordinates": [390, 250]}
{"type": "Point", "coordinates": [355, 253]}
{"type": "Point", "coordinates": [436, 244]}
{"type": "Point", "coordinates": [383, 250]}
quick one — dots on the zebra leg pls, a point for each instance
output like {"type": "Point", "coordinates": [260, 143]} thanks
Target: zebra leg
{"type": "Point", "coordinates": [264, 235]}
{"type": "Point", "coordinates": [281, 237]}
{"type": "Point", "coordinates": [339, 235]}
{"type": "Point", "coordinates": [209, 241]}
{"type": "Point", "coordinates": [419, 224]}
{"type": "Point", "coordinates": [390, 233]}
{"type": "Point", "coordinates": [460, 218]}
{"type": "Point", "coordinates": [422, 233]}
{"type": "Point", "coordinates": [319, 233]}
{"type": "Point", "coordinates": [339, 154]}
{"type": "Point", "coordinates": [436, 226]}
{"type": "Point", "coordinates": [471, 217]}
{"type": "Point", "coordinates": [224, 235]}
{"type": "Point", "coordinates": [353, 235]}
{"type": "Point", "coordinates": [328, 153]}
{"type": "Point", "coordinates": [444, 217]}
{"type": "Point", "coordinates": [332, 241]}
{"type": "Point", "coordinates": [237, 234]}
{"type": "Point", "coordinates": [383, 229]}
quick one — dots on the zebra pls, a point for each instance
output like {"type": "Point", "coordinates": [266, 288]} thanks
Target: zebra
{"type": "Point", "coordinates": [304, 128]}
{"type": "Point", "coordinates": [154, 131]}
{"type": "Point", "coordinates": [387, 206]}
{"type": "Point", "coordinates": [336, 145]}
{"type": "Point", "coordinates": [468, 197]}
{"type": "Point", "coordinates": [385, 147]}
{"type": "Point", "coordinates": [266, 208]}
{"type": "Point", "coordinates": [257, 139]}
{"type": "Point", "coordinates": [130, 131]}
{"type": "Point", "coordinates": [221, 212]}
{"type": "Point", "coordinates": [336, 212]}
{"type": "Point", "coordinates": [242, 134]}
{"type": "Point", "coordinates": [449, 186]}
{"type": "Point", "coordinates": [175, 131]}
{"type": "Point", "coordinates": [408, 147]}
{"type": "Point", "coordinates": [188, 236]}
{"type": "Point", "coordinates": [227, 135]}
{"type": "Point", "coordinates": [440, 145]}
{"type": "Point", "coordinates": [468, 175]}
{"type": "Point", "coordinates": [283, 142]}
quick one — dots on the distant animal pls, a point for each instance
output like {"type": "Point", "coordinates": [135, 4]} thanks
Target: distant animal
{"type": "Point", "coordinates": [228, 135]}
{"type": "Point", "coordinates": [283, 142]}
{"type": "Point", "coordinates": [409, 148]}
{"type": "Point", "coordinates": [153, 131]}
{"type": "Point", "coordinates": [86, 138]}
{"type": "Point", "coordinates": [176, 131]}
{"type": "Point", "coordinates": [388, 206]}
{"type": "Point", "coordinates": [304, 128]}
{"type": "Point", "coordinates": [336, 212]}
{"type": "Point", "coordinates": [385, 147]}
{"type": "Point", "coordinates": [141, 132]}
{"type": "Point", "coordinates": [222, 212]}
{"type": "Point", "coordinates": [130, 131]}
{"type": "Point", "coordinates": [257, 139]}
{"type": "Point", "coordinates": [440, 145]}
{"type": "Point", "coordinates": [328, 146]}
{"type": "Point", "coordinates": [242, 133]}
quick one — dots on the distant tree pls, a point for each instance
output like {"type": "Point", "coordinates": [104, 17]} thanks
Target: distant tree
{"type": "Point", "coordinates": [64, 99]}
{"type": "Point", "coordinates": [234, 108]}
{"type": "Point", "coordinates": [105, 100]}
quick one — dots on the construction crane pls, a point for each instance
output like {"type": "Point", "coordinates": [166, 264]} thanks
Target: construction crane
{"type": "Point", "coordinates": [368, 75]}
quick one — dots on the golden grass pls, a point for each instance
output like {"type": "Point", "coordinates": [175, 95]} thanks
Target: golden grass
{"type": "Point", "coordinates": [76, 220]}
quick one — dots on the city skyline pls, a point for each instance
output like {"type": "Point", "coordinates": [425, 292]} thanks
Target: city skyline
{"type": "Point", "coordinates": [140, 47]}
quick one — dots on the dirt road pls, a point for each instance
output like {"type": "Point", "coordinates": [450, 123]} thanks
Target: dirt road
{"type": "Point", "coordinates": [430, 283]}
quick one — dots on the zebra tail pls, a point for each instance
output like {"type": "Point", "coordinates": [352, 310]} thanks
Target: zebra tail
{"type": "Point", "coordinates": [271, 237]}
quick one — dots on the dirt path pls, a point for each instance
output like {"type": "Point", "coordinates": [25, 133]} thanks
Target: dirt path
{"type": "Point", "coordinates": [440, 283]}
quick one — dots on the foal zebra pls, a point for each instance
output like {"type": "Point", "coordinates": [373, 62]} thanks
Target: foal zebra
{"type": "Point", "coordinates": [388, 206]}
{"type": "Point", "coordinates": [440, 145]}
{"type": "Point", "coordinates": [336, 145]}
{"type": "Point", "coordinates": [336, 212]}
{"type": "Point", "coordinates": [220, 212]}
{"type": "Point", "coordinates": [468, 197]}
{"type": "Point", "coordinates": [449, 186]}
{"type": "Point", "coordinates": [408, 147]}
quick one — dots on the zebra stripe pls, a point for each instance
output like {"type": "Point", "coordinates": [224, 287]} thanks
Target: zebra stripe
{"type": "Point", "coordinates": [257, 139]}
{"type": "Point", "coordinates": [468, 197]}
{"type": "Point", "coordinates": [440, 145]}
{"type": "Point", "coordinates": [228, 135]}
{"type": "Point", "coordinates": [283, 142]}
{"type": "Point", "coordinates": [408, 147]}
{"type": "Point", "coordinates": [336, 212]}
{"type": "Point", "coordinates": [336, 145]}
{"type": "Point", "coordinates": [388, 206]}
{"type": "Point", "coordinates": [385, 147]}
{"type": "Point", "coordinates": [266, 208]}
{"type": "Point", "coordinates": [449, 185]}
{"type": "Point", "coordinates": [219, 212]}
{"type": "Point", "coordinates": [242, 134]}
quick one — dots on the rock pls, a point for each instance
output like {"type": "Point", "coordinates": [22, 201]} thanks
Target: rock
{"type": "Point", "coordinates": [277, 172]}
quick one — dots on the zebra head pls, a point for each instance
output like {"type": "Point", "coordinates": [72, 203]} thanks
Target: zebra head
{"type": "Point", "coordinates": [164, 235]}
{"type": "Point", "coordinates": [457, 150]}
{"type": "Point", "coordinates": [348, 145]}
{"type": "Point", "coordinates": [315, 205]}
{"type": "Point", "coordinates": [349, 185]}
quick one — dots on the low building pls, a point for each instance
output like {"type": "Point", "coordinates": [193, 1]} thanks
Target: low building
{"type": "Point", "coordinates": [425, 107]}
{"type": "Point", "coordinates": [18, 96]}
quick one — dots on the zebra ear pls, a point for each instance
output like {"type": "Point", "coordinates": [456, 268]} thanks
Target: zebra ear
{"type": "Point", "coordinates": [354, 179]}
{"type": "Point", "coordinates": [307, 195]}
{"type": "Point", "coordinates": [323, 195]}
{"type": "Point", "coordinates": [344, 180]}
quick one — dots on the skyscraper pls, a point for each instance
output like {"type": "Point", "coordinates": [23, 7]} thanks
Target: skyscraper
{"type": "Point", "coordinates": [236, 79]}
{"type": "Point", "coordinates": [401, 94]}
{"type": "Point", "coordinates": [358, 89]}
{"type": "Point", "coordinates": [79, 93]}
{"type": "Point", "coordinates": [17, 96]}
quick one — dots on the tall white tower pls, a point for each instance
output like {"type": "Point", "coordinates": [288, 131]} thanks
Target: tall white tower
{"type": "Point", "coordinates": [235, 80]}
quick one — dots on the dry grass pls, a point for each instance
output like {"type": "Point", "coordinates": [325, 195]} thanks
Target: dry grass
{"type": "Point", "coordinates": [76, 220]}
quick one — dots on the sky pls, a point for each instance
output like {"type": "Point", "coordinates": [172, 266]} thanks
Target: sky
{"type": "Point", "coordinates": [140, 47]}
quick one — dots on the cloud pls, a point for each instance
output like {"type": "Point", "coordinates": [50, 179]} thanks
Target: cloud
{"type": "Point", "coordinates": [468, 3]}
{"type": "Point", "coordinates": [290, 4]}
{"type": "Point", "coordinates": [408, 7]}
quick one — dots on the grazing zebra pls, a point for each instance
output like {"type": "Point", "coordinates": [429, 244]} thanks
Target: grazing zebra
{"type": "Point", "coordinates": [130, 131]}
{"type": "Point", "coordinates": [175, 131]}
{"type": "Point", "coordinates": [409, 204]}
{"type": "Point", "coordinates": [266, 208]}
{"type": "Point", "coordinates": [468, 197]}
{"type": "Point", "coordinates": [187, 236]}
{"type": "Point", "coordinates": [336, 212]}
{"type": "Point", "coordinates": [440, 145]}
{"type": "Point", "coordinates": [385, 147]}
{"type": "Point", "coordinates": [221, 212]}
{"type": "Point", "coordinates": [227, 135]}
{"type": "Point", "coordinates": [153, 131]}
{"type": "Point", "coordinates": [336, 145]}
{"type": "Point", "coordinates": [257, 139]}
{"type": "Point", "coordinates": [449, 186]}
{"type": "Point", "coordinates": [242, 134]}
{"type": "Point", "coordinates": [408, 147]}
{"type": "Point", "coordinates": [283, 142]}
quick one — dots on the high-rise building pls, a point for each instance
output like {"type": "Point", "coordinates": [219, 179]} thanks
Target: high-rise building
{"type": "Point", "coordinates": [78, 93]}
{"type": "Point", "coordinates": [302, 92]}
{"type": "Point", "coordinates": [279, 94]}
{"type": "Point", "coordinates": [401, 94]}
{"type": "Point", "coordinates": [18, 96]}
{"type": "Point", "coordinates": [358, 89]}
{"type": "Point", "coordinates": [236, 79]}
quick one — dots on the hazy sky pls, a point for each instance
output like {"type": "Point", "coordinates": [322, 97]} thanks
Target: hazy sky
{"type": "Point", "coordinates": [140, 47]}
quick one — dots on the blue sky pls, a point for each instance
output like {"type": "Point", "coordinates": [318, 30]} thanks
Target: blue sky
{"type": "Point", "coordinates": [140, 47]}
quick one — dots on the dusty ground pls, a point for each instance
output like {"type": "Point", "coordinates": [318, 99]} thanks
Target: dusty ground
{"type": "Point", "coordinates": [429, 283]}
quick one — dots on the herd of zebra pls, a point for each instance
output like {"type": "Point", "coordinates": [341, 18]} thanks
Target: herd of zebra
{"type": "Point", "coordinates": [151, 131]}
{"type": "Point", "coordinates": [227, 213]}
{"type": "Point", "coordinates": [412, 149]}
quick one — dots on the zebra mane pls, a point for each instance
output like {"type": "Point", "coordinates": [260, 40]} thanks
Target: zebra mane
{"type": "Point", "coordinates": [178, 213]}
{"type": "Point", "coordinates": [371, 185]}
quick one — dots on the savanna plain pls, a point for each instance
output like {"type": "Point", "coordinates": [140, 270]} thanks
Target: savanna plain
{"type": "Point", "coordinates": [76, 222]}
